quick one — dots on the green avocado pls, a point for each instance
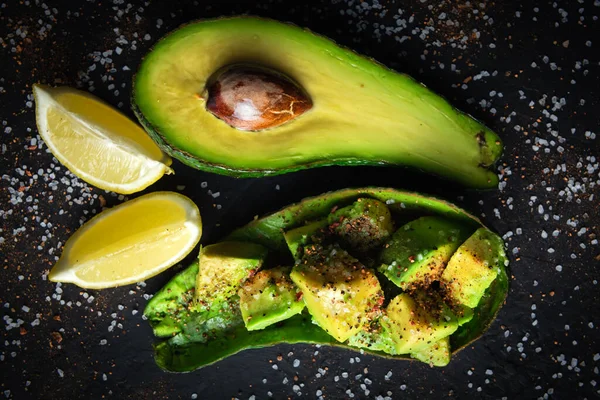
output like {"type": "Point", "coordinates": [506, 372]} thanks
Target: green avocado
{"type": "Point", "coordinates": [297, 238]}
{"type": "Point", "coordinates": [363, 225]}
{"type": "Point", "coordinates": [463, 314]}
{"type": "Point", "coordinates": [193, 338]}
{"type": "Point", "coordinates": [436, 354]}
{"type": "Point", "coordinates": [223, 267]}
{"type": "Point", "coordinates": [374, 337]}
{"type": "Point", "coordinates": [418, 252]}
{"type": "Point", "coordinates": [362, 112]}
{"type": "Point", "coordinates": [268, 297]}
{"type": "Point", "coordinates": [473, 267]}
{"type": "Point", "coordinates": [339, 292]}
{"type": "Point", "coordinates": [415, 321]}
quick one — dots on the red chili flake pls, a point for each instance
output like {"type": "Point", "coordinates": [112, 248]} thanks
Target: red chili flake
{"type": "Point", "coordinates": [411, 259]}
{"type": "Point", "coordinates": [298, 296]}
{"type": "Point", "coordinates": [57, 337]}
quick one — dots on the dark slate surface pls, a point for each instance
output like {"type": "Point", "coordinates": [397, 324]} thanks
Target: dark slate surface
{"type": "Point", "coordinates": [530, 70]}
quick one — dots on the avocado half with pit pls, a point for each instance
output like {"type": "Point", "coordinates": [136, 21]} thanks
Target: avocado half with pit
{"type": "Point", "coordinates": [351, 110]}
{"type": "Point", "coordinates": [195, 333]}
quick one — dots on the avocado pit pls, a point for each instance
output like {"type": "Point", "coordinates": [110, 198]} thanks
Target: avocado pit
{"type": "Point", "coordinates": [251, 97]}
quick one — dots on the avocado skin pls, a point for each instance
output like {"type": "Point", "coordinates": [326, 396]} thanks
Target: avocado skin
{"type": "Point", "coordinates": [490, 145]}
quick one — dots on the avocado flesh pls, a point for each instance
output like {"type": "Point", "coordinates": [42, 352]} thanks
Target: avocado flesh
{"type": "Point", "coordinates": [437, 354]}
{"type": "Point", "coordinates": [339, 292]}
{"type": "Point", "coordinates": [373, 337]}
{"type": "Point", "coordinates": [297, 238]}
{"type": "Point", "coordinates": [363, 113]}
{"type": "Point", "coordinates": [413, 324]}
{"type": "Point", "coordinates": [267, 298]}
{"type": "Point", "coordinates": [463, 314]}
{"type": "Point", "coordinates": [223, 267]}
{"type": "Point", "coordinates": [418, 252]}
{"type": "Point", "coordinates": [473, 268]}
{"type": "Point", "coordinates": [363, 225]}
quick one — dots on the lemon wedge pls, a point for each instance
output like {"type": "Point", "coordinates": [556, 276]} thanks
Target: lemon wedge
{"type": "Point", "coordinates": [97, 142]}
{"type": "Point", "coordinates": [130, 242]}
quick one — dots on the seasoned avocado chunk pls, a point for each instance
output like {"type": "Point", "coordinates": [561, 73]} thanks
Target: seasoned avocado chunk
{"type": "Point", "coordinates": [222, 269]}
{"type": "Point", "coordinates": [363, 225]}
{"type": "Point", "coordinates": [417, 253]}
{"type": "Point", "coordinates": [363, 113]}
{"type": "Point", "coordinates": [463, 314]}
{"type": "Point", "coordinates": [267, 297]}
{"type": "Point", "coordinates": [416, 321]}
{"type": "Point", "coordinates": [340, 293]}
{"type": "Point", "coordinates": [473, 267]}
{"type": "Point", "coordinates": [436, 354]}
{"type": "Point", "coordinates": [373, 336]}
{"type": "Point", "coordinates": [297, 238]}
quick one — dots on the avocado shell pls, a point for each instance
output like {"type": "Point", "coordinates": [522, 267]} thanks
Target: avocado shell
{"type": "Point", "coordinates": [185, 354]}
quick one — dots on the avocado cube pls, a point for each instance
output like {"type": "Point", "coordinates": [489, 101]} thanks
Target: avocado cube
{"type": "Point", "coordinates": [417, 321]}
{"type": "Point", "coordinates": [417, 253]}
{"type": "Point", "coordinates": [268, 297]}
{"type": "Point", "coordinates": [223, 267]}
{"type": "Point", "coordinates": [374, 337]}
{"type": "Point", "coordinates": [473, 268]}
{"type": "Point", "coordinates": [364, 225]}
{"type": "Point", "coordinates": [436, 354]}
{"type": "Point", "coordinates": [463, 314]}
{"type": "Point", "coordinates": [297, 238]}
{"type": "Point", "coordinates": [340, 293]}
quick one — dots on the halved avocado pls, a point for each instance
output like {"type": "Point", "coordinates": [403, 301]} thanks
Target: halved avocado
{"type": "Point", "coordinates": [363, 113]}
{"type": "Point", "coordinates": [202, 339]}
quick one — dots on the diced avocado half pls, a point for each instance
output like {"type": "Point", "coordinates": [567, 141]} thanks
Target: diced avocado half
{"type": "Point", "coordinates": [363, 113]}
{"type": "Point", "coordinates": [199, 343]}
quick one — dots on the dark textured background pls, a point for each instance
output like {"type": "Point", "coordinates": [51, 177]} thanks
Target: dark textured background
{"type": "Point", "coordinates": [530, 70]}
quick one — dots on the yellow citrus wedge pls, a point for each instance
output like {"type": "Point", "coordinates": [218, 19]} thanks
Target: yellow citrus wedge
{"type": "Point", "coordinates": [97, 142]}
{"type": "Point", "coordinates": [130, 242]}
